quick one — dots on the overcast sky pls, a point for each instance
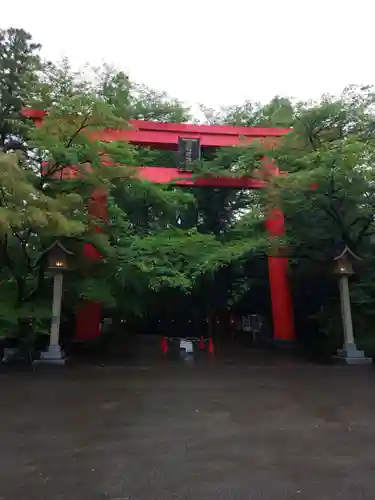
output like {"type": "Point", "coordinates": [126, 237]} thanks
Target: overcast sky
{"type": "Point", "coordinates": [214, 52]}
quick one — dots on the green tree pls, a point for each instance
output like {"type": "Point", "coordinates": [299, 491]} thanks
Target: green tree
{"type": "Point", "coordinates": [48, 187]}
{"type": "Point", "coordinates": [29, 219]}
{"type": "Point", "coordinates": [19, 66]}
{"type": "Point", "coordinates": [329, 161]}
{"type": "Point", "coordinates": [279, 112]}
{"type": "Point", "coordinates": [328, 198]}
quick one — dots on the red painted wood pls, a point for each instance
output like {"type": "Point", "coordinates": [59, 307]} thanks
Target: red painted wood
{"type": "Point", "coordinates": [34, 114]}
{"type": "Point", "coordinates": [209, 129]}
{"type": "Point", "coordinates": [165, 135]}
{"type": "Point", "coordinates": [275, 223]}
{"type": "Point", "coordinates": [166, 175]}
{"type": "Point", "coordinates": [89, 313]}
{"type": "Point", "coordinates": [163, 175]}
{"type": "Point", "coordinates": [88, 321]}
{"type": "Point", "coordinates": [167, 139]}
{"type": "Point", "coordinates": [281, 301]}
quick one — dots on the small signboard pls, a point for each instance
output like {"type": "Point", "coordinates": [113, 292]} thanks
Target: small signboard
{"type": "Point", "coordinates": [186, 345]}
{"type": "Point", "coordinates": [189, 152]}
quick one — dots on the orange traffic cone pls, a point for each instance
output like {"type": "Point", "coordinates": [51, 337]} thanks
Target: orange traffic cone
{"type": "Point", "coordinates": [201, 343]}
{"type": "Point", "coordinates": [164, 345]}
{"type": "Point", "coordinates": [211, 348]}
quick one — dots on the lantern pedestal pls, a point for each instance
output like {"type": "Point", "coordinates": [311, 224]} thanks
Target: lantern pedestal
{"type": "Point", "coordinates": [351, 355]}
{"type": "Point", "coordinates": [53, 355]}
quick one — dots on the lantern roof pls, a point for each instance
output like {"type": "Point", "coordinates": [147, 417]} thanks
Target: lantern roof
{"type": "Point", "coordinates": [346, 252]}
{"type": "Point", "coordinates": [56, 245]}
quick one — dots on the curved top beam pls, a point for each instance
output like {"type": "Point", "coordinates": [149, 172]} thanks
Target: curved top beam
{"type": "Point", "coordinates": [162, 135]}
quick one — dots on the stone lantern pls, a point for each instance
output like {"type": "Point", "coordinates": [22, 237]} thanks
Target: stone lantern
{"type": "Point", "coordinates": [343, 268]}
{"type": "Point", "coordinates": [57, 257]}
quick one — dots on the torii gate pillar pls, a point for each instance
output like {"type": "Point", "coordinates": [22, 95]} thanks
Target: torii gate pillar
{"type": "Point", "coordinates": [281, 300]}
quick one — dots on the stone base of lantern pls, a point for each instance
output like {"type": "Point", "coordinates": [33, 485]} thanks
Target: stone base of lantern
{"type": "Point", "coordinates": [351, 355]}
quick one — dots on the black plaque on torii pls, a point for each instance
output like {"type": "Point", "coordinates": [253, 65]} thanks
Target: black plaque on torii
{"type": "Point", "coordinates": [189, 152]}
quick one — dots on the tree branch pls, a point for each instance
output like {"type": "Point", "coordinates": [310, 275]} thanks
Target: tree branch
{"type": "Point", "coordinates": [24, 250]}
{"type": "Point", "coordinates": [363, 231]}
{"type": "Point", "coordinates": [38, 287]}
{"type": "Point", "coordinates": [80, 128]}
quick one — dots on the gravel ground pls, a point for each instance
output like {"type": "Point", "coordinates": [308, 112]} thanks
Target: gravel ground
{"type": "Point", "coordinates": [260, 428]}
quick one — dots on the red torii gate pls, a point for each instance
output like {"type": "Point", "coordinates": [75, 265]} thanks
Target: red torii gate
{"type": "Point", "coordinates": [159, 135]}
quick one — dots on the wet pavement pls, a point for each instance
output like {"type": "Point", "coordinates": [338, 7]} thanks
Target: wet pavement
{"type": "Point", "coordinates": [258, 429]}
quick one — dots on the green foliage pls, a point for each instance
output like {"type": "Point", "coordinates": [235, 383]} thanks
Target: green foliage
{"type": "Point", "coordinates": [149, 104]}
{"type": "Point", "coordinates": [328, 193]}
{"type": "Point", "coordinates": [279, 112]}
{"type": "Point", "coordinates": [130, 100]}
{"type": "Point", "coordinates": [19, 66]}
{"type": "Point", "coordinates": [38, 202]}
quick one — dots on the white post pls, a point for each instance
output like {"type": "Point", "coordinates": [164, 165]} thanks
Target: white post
{"type": "Point", "coordinates": [54, 353]}
{"type": "Point", "coordinates": [349, 353]}
{"type": "Point", "coordinates": [346, 314]}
